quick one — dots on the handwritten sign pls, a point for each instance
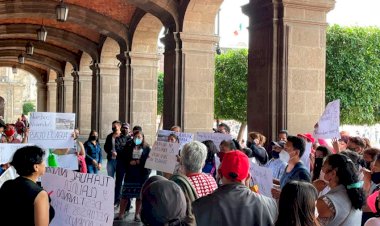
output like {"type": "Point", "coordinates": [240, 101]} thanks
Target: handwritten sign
{"type": "Point", "coordinates": [9, 174]}
{"type": "Point", "coordinates": [80, 198]}
{"type": "Point", "coordinates": [52, 130]}
{"type": "Point", "coordinates": [217, 138]}
{"type": "Point", "coordinates": [8, 150]}
{"type": "Point", "coordinates": [69, 161]}
{"type": "Point", "coordinates": [162, 157]}
{"type": "Point", "coordinates": [262, 177]}
{"type": "Point", "coordinates": [183, 138]}
{"type": "Point", "coordinates": [328, 124]}
{"type": "Point", "coordinates": [305, 158]}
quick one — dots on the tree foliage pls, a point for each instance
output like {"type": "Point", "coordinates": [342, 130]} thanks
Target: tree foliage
{"type": "Point", "coordinates": [28, 107]}
{"type": "Point", "coordinates": [231, 69]}
{"type": "Point", "coordinates": [160, 93]}
{"type": "Point", "coordinates": [353, 72]}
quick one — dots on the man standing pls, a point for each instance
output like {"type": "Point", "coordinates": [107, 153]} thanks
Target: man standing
{"type": "Point", "coordinates": [276, 164]}
{"type": "Point", "coordinates": [234, 203]}
{"type": "Point", "coordinates": [109, 148]}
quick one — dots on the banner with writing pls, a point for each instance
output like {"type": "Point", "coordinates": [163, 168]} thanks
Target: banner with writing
{"type": "Point", "coordinates": [183, 138]}
{"type": "Point", "coordinates": [163, 157]}
{"type": "Point", "coordinates": [69, 161]}
{"type": "Point", "coordinates": [52, 130]}
{"type": "Point", "coordinates": [9, 174]}
{"type": "Point", "coordinates": [79, 198]}
{"type": "Point", "coordinates": [262, 177]}
{"type": "Point", "coordinates": [217, 138]}
{"type": "Point", "coordinates": [7, 151]}
{"type": "Point", "coordinates": [328, 124]}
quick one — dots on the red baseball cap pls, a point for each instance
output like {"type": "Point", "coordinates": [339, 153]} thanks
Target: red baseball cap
{"type": "Point", "coordinates": [235, 166]}
{"type": "Point", "coordinates": [307, 136]}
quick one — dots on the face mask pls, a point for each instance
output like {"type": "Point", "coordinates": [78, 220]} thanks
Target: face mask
{"type": "Point", "coordinates": [322, 176]}
{"type": "Point", "coordinates": [375, 177]}
{"type": "Point", "coordinates": [93, 137]}
{"type": "Point", "coordinates": [316, 214]}
{"type": "Point", "coordinates": [138, 141]}
{"type": "Point", "coordinates": [113, 129]}
{"type": "Point", "coordinates": [284, 156]}
{"type": "Point", "coordinates": [275, 154]}
{"type": "Point", "coordinates": [318, 162]}
{"type": "Point", "coordinates": [10, 132]}
{"type": "Point", "coordinates": [249, 144]}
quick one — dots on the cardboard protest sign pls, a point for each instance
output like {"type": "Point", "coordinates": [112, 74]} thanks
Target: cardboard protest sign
{"type": "Point", "coordinates": [80, 198]}
{"type": "Point", "coordinates": [183, 138]}
{"type": "Point", "coordinates": [52, 130]}
{"type": "Point", "coordinates": [217, 138]}
{"type": "Point", "coordinates": [328, 124]}
{"type": "Point", "coordinates": [69, 161]}
{"type": "Point", "coordinates": [7, 151]}
{"type": "Point", "coordinates": [9, 174]}
{"type": "Point", "coordinates": [162, 157]}
{"type": "Point", "coordinates": [262, 177]}
{"type": "Point", "coordinates": [305, 158]}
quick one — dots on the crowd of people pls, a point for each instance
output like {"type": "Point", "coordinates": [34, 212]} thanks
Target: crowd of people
{"type": "Point", "coordinates": [315, 183]}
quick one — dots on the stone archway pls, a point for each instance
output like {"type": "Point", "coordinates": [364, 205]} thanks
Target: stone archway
{"type": "Point", "coordinates": [2, 106]}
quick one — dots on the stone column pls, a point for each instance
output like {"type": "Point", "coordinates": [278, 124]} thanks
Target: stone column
{"type": "Point", "coordinates": [286, 73]}
{"type": "Point", "coordinates": [109, 99]}
{"type": "Point", "coordinates": [84, 105]}
{"type": "Point", "coordinates": [51, 96]}
{"type": "Point", "coordinates": [95, 96]}
{"type": "Point", "coordinates": [41, 97]}
{"type": "Point", "coordinates": [125, 90]}
{"type": "Point", "coordinates": [60, 94]}
{"type": "Point", "coordinates": [76, 95]}
{"type": "Point", "coordinates": [199, 70]}
{"type": "Point", "coordinates": [145, 66]}
{"type": "Point", "coordinates": [68, 84]}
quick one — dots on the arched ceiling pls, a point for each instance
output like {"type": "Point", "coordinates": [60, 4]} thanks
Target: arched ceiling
{"type": "Point", "coordinates": [89, 23]}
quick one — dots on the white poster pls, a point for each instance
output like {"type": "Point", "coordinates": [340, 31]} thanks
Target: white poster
{"type": "Point", "coordinates": [306, 155]}
{"type": "Point", "coordinates": [80, 198]}
{"type": "Point", "coordinates": [69, 161]}
{"type": "Point", "coordinates": [52, 130]}
{"type": "Point", "coordinates": [262, 177]}
{"type": "Point", "coordinates": [217, 138]}
{"type": "Point", "coordinates": [7, 151]}
{"type": "Point", "coordinates": [9, 174]}
{"type": "Point", "coordinates": [328, 124]}
{"type": "Point", "coordinates": [183, 138]}
{"type": "Point", "coordinates": [162, 157]}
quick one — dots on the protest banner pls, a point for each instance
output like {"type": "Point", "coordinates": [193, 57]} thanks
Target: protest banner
{"type": "Point", "coordinates": [305, 158]}
{"type": "Point", "coordinates": [9, 174]}
{"type": "Point", "coordinates": [79, 198]}
{"type": "Point", "coordinates": [7, 151]}
{"type": "Point", "coordinates": [69, 161]}
{"type": "Point", "coordinates": [217, 138]}
{"type": "Point", "coordinates": [52, 130]}
{"type": "Point", "coordinates": [328, 124]}
{"type": "Point", "coordinates": [162, 157]}
{"type": "Point", "coordinates": [183, 138]}
{"type": "Point", "coordinates": [262, 177]}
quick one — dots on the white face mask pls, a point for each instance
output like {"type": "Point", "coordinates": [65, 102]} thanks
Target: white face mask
{"type": "Point", "coordinates": [322, 177]}
{"type": "Point", "coordinates": [284, 156]}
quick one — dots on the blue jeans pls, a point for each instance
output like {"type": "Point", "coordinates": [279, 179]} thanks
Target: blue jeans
{"type": "Point", "coordinates": [120, 172]}
{"type": "Point", "coordinates": [92, 169]}
{"type": "Point", "coordinates": [111, 167]}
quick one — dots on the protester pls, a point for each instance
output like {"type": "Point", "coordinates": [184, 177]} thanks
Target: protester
{"type": "Point", "coordinates": [234, 203]}
{"type": "Point", "coordinates": [137, 152]}
{"type": "Point", "coordinates": [172, 138]}
{"type": "Point", "coordinates": [371, 186]}
{"type": "Point", "coordinates": [342, 204]}
{"type": "Point", "coordinates": [356, 144]}
{"type": "Point", "coordinates": [225, 129]}
{"type": "Point", "coordinates": [125, 130]}
{"type": "Point", "coordinates": [164, 204]}
{"type": "Point", "coordinates": [255, 143]}
{"type": "Point", "coordinates": [374, 203]}
{"type": "Point", "coordinates": [176, 129]}
{"type": "Point", "coordinates": [297, 205]}
{"type": "Point", "coordinates": [23, 201]}
{"type": "Point", "coordinates": [283, 135]}
{"type": "Point", "coordinates": [10, 135]}
{"type": "Point", "coordinates": [109, 148]}
{"type": "Point", "coordinates": [80, 152]}
{"type": "Point", "coordinates": [2, 128]}
{"type": "Point", "coordinates": [20, 127]}
{"type": "Point", "coordinates": [369, 157]}
{"type": "Point", "coordinates": [93, 153]}
{"type": "Point", "coordinates": [276, 164]}
{"type": "Point", "coordinates": [225, 147]}
{"type": "Point", "coordinates": [193, 157]}
{"type": "Point", "coordinates": [210, 166]}
{"type": "Point", "coordinates": [320, 155]}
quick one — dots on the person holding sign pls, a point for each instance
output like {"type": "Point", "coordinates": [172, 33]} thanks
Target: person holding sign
{"type": "Point", "coordinates": [136, 154]}
{"type": "Point", "coordinates": [24, 202]}
{"type": "Point", "coordinates": [93, 153]}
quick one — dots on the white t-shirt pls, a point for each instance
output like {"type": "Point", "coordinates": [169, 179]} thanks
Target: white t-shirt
{"type": "Point", "coordinates": [374, 221]}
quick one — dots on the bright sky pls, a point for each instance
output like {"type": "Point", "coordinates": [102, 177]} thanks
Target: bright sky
{"type": "Point", "coordinates": [346, 13]}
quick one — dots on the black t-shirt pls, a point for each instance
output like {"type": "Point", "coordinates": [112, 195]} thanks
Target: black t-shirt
{"type": "Point", "coordinates": [17, 202]}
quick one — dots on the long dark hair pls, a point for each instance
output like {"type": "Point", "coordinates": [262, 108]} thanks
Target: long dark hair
{"type": "Point", "coordinates": [143, 144]}
{"type": "Point", "coordinates": [347, 174]}
{"type": "Point", "coordinates": [211, 150]}
{"type": "Point", "coordinates": [93, 131]}
{"type": "Point", "coordinates": [297, 205]}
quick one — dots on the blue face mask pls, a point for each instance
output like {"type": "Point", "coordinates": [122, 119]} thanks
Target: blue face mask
{"type": "Point", "coordinates": [138, 141]}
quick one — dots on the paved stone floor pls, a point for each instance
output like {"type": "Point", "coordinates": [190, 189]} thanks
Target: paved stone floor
{"type": "Point", "coordinates": [129, 219]}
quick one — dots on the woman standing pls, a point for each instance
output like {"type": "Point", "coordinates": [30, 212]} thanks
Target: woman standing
{"type": "Point", "coordinates": [93, 153]}
{"type": "Point", "coordinates": [24, 202]}
{"type": "Point", "coordinates": [137, 152]}
{"type": "Point", "coordinates": [297, 205]}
